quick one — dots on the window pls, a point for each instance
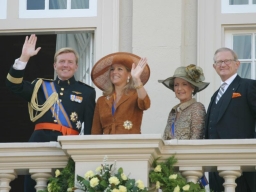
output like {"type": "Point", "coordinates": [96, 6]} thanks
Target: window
{"type": "Point", "coordinates": [57, 8]}
{"type": "Point", "coordinates": [244, 44]}
{"type": "Point", "coordinates": [3, 8]}
{"type": "Point", "coordinates": [238, 6]}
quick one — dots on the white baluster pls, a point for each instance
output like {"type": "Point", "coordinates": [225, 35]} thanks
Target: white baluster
{"type": "Point", "coordinates": [6, 176]}
{"type": "Point", "coordinates": [192, 174]}
{"type": "Point", "coordinates": [230, 174]}
{"type": "Point", "coordinates": [41, 177]}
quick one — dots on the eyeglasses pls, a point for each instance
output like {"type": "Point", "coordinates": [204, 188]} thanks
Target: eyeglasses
{"type": "Point", "coordinates": [227, 62]}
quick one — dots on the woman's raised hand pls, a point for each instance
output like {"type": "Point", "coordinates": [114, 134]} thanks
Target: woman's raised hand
{"type": "Point", "coordinates": [136, 71]}
{"type": "Point", "coordinates": [29, 48]}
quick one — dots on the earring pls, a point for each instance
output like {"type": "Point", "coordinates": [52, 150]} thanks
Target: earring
{"type": "Point", "coordinates": [128, 79]}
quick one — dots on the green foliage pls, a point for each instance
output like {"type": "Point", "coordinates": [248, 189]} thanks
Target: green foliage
{"type": "Point", "coordinates": [165, 178]}
{"type": "Point", "coordinates": [61, 182]}
{"type": "Point", "coordinates": [107, 179]}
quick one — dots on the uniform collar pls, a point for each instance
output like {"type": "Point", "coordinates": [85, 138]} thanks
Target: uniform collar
{"type": "Point", "coordinates": [65, 82]}
{"type": "Point", "coordinates": [183, 106]}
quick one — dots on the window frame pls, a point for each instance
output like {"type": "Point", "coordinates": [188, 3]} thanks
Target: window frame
{"type": "Point", "coordinates": [229, 43]}
{"type": "Point", "coordinates": [226, 8]}
{"type": "Point", "coordinates": [57, 13]}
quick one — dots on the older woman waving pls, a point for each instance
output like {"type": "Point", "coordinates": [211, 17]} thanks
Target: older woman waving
{"type": "Point", "coordinates": [121, 76]}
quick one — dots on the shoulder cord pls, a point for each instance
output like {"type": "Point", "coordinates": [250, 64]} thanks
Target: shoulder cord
{"type": "Point", "coordinates": [42, 109]}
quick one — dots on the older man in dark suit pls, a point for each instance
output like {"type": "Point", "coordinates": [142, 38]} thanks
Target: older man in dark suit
{"type": "Point", "coordinates": [231, 113]}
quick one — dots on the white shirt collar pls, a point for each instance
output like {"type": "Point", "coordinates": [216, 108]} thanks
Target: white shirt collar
{"type": "Point", "coordinates": [229, 81]}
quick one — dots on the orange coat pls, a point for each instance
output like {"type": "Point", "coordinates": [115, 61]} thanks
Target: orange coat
{"type": "Point", "coordinates": [129, 108]}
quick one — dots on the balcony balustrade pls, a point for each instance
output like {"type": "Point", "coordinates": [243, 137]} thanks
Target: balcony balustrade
{"type": "Point", "coordinates": [135, 153]}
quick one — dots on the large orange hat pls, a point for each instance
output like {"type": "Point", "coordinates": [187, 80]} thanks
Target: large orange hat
{"type": "Point", "coordinates": [100, 71]}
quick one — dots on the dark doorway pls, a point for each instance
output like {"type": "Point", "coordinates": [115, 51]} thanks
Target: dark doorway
{"type": "Point", "coordinates": [15, 123]}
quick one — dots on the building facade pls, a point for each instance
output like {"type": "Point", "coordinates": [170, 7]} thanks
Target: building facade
{"type": "Point", "coordinates": [169, 33]}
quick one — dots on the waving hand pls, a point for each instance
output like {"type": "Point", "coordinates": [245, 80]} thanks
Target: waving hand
{"type": "Point", "coordinates": [29, 48]}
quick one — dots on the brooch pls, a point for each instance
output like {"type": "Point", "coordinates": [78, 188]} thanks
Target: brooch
{"type": "Point", "coordinates": [73, 116]}
{"type": "Point", "coordinates": [127, 124]}
{"type": "Point", "coordinates": [78, 124]}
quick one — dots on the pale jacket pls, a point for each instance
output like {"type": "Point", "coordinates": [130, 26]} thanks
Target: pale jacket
{"type": "Point", "coordinates": [190, 124]}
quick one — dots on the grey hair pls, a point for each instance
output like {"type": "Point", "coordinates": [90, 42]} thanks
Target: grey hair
{"type": "Point", "coordinates": [222, 49]}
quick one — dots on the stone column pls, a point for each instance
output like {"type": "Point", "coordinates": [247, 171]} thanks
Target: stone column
{"type": "Point", "coordinates": [230, 174]}
{"type": "Point", "coordinates": [6, 176]}
{"type": "Point", "coordinates": [41, 177]}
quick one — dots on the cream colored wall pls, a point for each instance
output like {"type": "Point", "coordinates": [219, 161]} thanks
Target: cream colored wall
{"type": "Point", "coordinates": [125, 26]}
{"type": "Point", "coordinates": [164, 32]}
{"type": "Point", "coordinates": [211, 36]}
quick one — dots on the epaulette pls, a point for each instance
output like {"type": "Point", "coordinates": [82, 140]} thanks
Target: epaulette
{"type": "Point", "coordinates": [86, 84]}
{"type": "Point", "coordinates": [46, 79]}
{"type": "Point", "coordinates": [42, 79]}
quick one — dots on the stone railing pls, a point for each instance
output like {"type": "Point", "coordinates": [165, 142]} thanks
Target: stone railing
{"type": "Point", "coordinates": [135, 153]}
{"type": "Point", "coordinates": [37, 159]}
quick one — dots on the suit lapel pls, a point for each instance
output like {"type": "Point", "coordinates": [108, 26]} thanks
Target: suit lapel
{"type": "Point", "coordinates": [125, 97]}
{"type": "Point", "coordinates": [109, 100]}
{"type": "Point", "coordinates": [210, 106]}
{"type": "Point", "coordinates": [227, 96]}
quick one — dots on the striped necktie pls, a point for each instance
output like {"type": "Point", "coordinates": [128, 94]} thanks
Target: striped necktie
{"type": "Point", "coordinates": [220, 93]}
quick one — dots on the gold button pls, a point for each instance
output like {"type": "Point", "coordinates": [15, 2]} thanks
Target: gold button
{"type": "Point", "coordinates": [62, 89]}
{"type": "Point", "coordinates": [61, 93]}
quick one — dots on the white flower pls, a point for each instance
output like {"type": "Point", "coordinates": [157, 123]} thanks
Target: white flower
{"type": "Point", "coordinates": [158, 185]}
{"type": "Point", "coordinates": [123, 176]}
{"type": "Point", "coordinates": [122, 188]}
{"type": "Point", "coordinates": [57, 173]}
{"type": "Point", "coordinates": [173, 176]}
{"type": "Point", "coordinates": [176, 189]}
{"type": "Point", "coordinates": [140, 184]}
{"type": "Point", "coordinates": [94, 182]}
{"type": "Point", "coordinates": [98, 169]}
{"type": "Point", "coordinates": [115, 190]}
{"type": "Point", "coordinates": [49, 187]}
{"type": "Point", "coordinates": [158, 168]}
{"type": "Point", "coordinates": [88, 174]}
{"type": "Point", "coordinates": [69, 190]}
{"type": "Point", "coordinates": [186, 187]}
{"type": "Point", "coordinates": [114, 180]}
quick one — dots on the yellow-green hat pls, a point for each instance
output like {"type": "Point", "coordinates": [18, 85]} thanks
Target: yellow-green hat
{"type": "Point", "coordinates": [192, 74]}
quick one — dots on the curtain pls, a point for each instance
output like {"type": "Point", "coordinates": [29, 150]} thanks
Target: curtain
{"type": "Point", "coordinates": [80, 4]}
{"type": "Point", "coordinates": [62, 4]}
{"type": "Point", "coordinates": [242, 46]}
{"type": "Point", "coordinates": [238, 2]}
{"type": "Point", "coordinates": [83, 44]}
{"type": "Point", "coordinates": [245, 70]}
{"type": "Point", "coordinates": [57, 4]}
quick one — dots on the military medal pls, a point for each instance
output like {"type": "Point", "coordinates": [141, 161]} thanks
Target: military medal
{"type": "Point", "coordinates": [76, 92]}
{"type": "Point", "coordinates": [72, 97]}
{"type": "Point", "coordinates": [78, 124]}
{"type": "Point", "coordinates": [76, 98]}
{"type": "Point", "coordinates": [127, 124]}
{"type": "Point", "coordinates": [73, 116]}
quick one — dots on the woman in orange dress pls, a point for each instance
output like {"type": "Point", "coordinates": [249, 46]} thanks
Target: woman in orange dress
{"type": "Point", "coordinates": [121, 76]}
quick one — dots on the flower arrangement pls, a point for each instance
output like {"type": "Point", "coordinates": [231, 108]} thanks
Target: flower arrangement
{"type": "Point", "coordinates": [107, 179]}
{"type": "Point", "coordinates": [63, 180]}
{"type": "Point", "coordinates": [164, 178]}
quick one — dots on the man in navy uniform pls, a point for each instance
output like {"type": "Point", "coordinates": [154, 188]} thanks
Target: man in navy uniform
{"type": "Point", "coordinates": [57, 107]}
{"type": "Point", "coordinates": [231, 113]}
